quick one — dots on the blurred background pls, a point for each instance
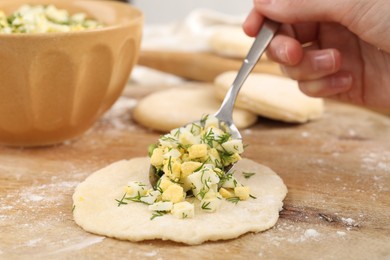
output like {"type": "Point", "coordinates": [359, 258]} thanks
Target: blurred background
{"type": "Point", "coordinates": [163, 11]}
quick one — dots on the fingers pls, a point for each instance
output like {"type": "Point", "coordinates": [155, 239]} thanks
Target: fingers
{"type": "Point", "coordinates": [314, 64]}
{"type": "Point", "coordinates": [252, 23]}
{"type": "Point", "coordinates": [328, 86]}
{"type": "Point", "coordinates": [295, 11]}
{"type": "Point", "coordinates": [285, 50]}
{"type": "Point", "coordinates": [303, 63]}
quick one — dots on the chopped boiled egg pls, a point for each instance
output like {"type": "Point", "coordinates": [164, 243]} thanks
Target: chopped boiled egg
{"type": "Point", "coordinates": [192, 159]}
{"type": "Point", "coordinates": [151, 197]}
{"type": "Point", "coordinates": [183, 210]}
{"type": "Point", "coordinates": [161, 206]}
{"type": "Point", "coordinates": [197, 151]}
{"type": "Point", "coordinates": [157, 157]}
{"type": "Point", "coordinates": [173, 193]}
{"type": "Point", "coordinates": [135, 188]}
{"type": "Point", "coordinates": [226, 193]}
{"type": "Point", "coordinates": [211, 201]}
{"type": "Point", "coordinates": [242, 192]}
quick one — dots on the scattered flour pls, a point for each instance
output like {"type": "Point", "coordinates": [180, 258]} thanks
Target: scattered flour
{"type": "Point", "coordinates": [247, 131]}
{"type": "Point", "coordinates": [311, 233]}
{"type": "Point", "coordinates": [31, 209]}
{"type": "Point", "coordinates": [348, 221]}
{"type": "Point", "coordinates": [119, 116]}
{"type": "Point", "coordinates": [305, 134]}
{"type": "Point", "coordinates": [33, 197]}
{"type": "Point", "coordinates": [33, 242]}
{"type": "Point", "coordinates": [291, 234]}
{"type": "Point", "coordinates": [151, 254]}
{"type": "Point", "coordinates": [341, 233]}
{"type": "Point", "coordinates": [82, 244]}
{"type": "Point", "coordinates": [373, 161]}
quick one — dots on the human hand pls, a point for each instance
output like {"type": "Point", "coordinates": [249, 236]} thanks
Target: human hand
{"type": "Point", "coordinates": [338, 49]}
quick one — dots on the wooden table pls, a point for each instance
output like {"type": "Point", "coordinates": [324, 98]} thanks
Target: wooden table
{"type": "Point", "coordinates": [337, 170]}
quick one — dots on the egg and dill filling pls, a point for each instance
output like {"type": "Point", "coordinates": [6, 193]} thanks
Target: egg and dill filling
{"type": "Point", "coordinates": [44, 19]}
{"type": "Point", "coordinates": [192, 163]}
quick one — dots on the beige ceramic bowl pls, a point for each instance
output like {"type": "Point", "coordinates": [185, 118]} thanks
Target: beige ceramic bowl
{"type": "Point", "coordinates": [54, 86]}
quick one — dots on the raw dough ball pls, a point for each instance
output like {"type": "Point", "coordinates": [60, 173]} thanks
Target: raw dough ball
{"type": "Point", "coordinates": [97, 211]}
{"type": "Point", "coordinates": [168, 109]}
{"type": "Point", "coordinates": [230, 41]}
{"type": "Point", "coordinates": [272, 96]}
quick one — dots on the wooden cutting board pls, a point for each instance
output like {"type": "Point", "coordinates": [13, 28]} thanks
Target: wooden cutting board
{"type": "Point", "coordinates": [337, 170]}
{"type": "Point", "coordinates": [199, 66]}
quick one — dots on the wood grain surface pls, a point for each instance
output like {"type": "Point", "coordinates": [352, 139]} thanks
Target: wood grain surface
{"type": "Point", "coordinates": [337, 170]}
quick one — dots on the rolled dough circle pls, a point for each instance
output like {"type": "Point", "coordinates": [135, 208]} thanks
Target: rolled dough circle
{"type": "Point", "coordinates": [96, 210]}
{"type": "Point", "coordinates": [230, 41]}
{"type": "Point", "coordinates": [172, 108]}
{"type": "Point", "coordinates": [274, 97]}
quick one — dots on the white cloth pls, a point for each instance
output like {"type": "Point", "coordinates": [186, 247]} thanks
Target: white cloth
{"type": "Point", "coordinates": [191, 34]}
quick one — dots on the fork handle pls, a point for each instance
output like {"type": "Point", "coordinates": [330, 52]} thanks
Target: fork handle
{"type": "Point", "coordinates": [263, 38]}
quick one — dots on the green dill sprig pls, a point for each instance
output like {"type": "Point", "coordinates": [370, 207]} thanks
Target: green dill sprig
{"type": "Point", "coordinates": [200, 167]}
{"type": "Point", "coordinates": [177, 133]}
{"type": "Point", "coordinates": [253, 197]}
{"type": "Point", "coordinates": [208, 138]}
{"type": "Point", "coordinates": [223, 138]}
{"type": "Point", "coordinates": [151, 149]}
{"type": "Point", "coordinates": [158, 185]}
{"type": "Point", "coordinates": [225, 156]}
{"type": "Point", "coordinates": [247, 175]}
{"type": "Point", "coordinates": [204, 119]}
{"type": "Point", "coordinates": [202, 192]}
{"type": "Point", "coordinates": [234, 200]}
{"type": "Point", "coordinates": [121, 202]}
{"type": "Point", "coordinates": [205, 206]}
{"type": "Point", "coordinates": [137, 198]}
{"type": "Point", "coordinates": [195, 129]}
{"type": "Point", "coordinates": [224, 178]}
{"type": "Point", "coordinates": [170, 164]}
{"type": "Point", "coordinates": [158, 214]}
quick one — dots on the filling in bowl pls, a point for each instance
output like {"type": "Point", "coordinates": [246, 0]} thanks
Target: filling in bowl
{"type": "Point", "coordinates": [45, 19]}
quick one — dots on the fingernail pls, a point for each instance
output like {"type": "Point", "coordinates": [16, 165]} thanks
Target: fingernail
{"type": "Point", "coordinates": [341, 81]}
{"type": "Point", "coordinates": [329, 86]}
{"type": "Point", "coordinates": [313, 87]}
{"type": "Point", "coordinates": [324, 61]}
{"type": "Point", "coordinates": [281, 53]}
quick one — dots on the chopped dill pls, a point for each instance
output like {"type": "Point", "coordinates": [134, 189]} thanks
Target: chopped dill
{"type": "Point", "coordinates": [203, 120]}
{"type": "Point", "coordinates": [205, 206]}
{"type": "Point", "coordinates": [223, 138]}
{"type": "Point", "coordinates": [247, 175]}
{"type": "Point", "coordinates": [208, 138]}
{"type": "Point", "coordinates": [157, 214]}
{"type": "Point", "coordinates": [121, 202]}
{"type": "Point", "coordinates": [137, 198]}
{"type": "Point", "coordinates": [151, 149]}
{"type": "Point", "coordinates": [234, 200]}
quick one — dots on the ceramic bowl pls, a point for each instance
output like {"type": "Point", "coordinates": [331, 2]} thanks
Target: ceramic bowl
{"type": "Point", "coordinates": [54, 86]}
